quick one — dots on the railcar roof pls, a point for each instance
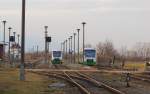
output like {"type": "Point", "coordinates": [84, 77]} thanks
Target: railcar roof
{"type": "Point", "coordinates": [90, 49]}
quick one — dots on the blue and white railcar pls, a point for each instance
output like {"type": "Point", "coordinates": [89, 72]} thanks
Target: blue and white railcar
{"type": "Point", "coordinates": [89, 56]}
{"type": "Point", "coordinates": [56, 57]}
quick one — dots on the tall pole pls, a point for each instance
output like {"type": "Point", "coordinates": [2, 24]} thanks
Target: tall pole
{"type": "Point", "coordinates": [14, 46]}
{"type": "Point", "coordinates": [66, 50]}
{"type": "Point", "coordinates": [74, 47]}
{"type": "Point", "coordinates": [18, 39]}
{"type": "Point", "coordinates": [83, 23]}
{"type": "Point", "coordinates": [71, 48]}
{"type": "Point", "coordinates": [48, 49]}
{"type": "Point", "coordinates": [48, 45]}
{"type": "Point", "coordinates": [78, 30]}
{"type": "Point", "coordinates": [62, 46]}
{"type": "Point", "coordinates": [18, 45]}
{"type": "Point", "coordinates": [46, 27]}
{"type": "Point", "coordinates": [32, 49]}
{"type": "Point", "coordinates": [22, 71]}
{"type": "Point", "coordinates": [4, 22]}
{"type": "Point", "coordinates": [37, 50]}
{"type": "Point", "coordinates": [14, 36]}
{"type": "Point", "coordinates": [9, 45]}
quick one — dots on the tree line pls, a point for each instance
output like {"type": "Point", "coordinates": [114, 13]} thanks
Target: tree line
{"type": "Point", "coordinates": [106, 52]}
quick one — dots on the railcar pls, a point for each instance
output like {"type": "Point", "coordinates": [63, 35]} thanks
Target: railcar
{"type": "Point", "coordinates": [56, 57]}
{"type": "Point", "coordinates": [89, 56]}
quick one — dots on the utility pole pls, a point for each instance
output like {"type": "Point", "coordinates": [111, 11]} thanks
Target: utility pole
{"type": "Point", "coordinates": [47, 42]}
{"type": "Point", "coordinates": [18, 39]}
{"type": "Point", "coordinates": [37, 50]}
{"type": "Point", "coordinates": [48, 45]}
{"type": "Point", "coordinates": [83, 23]}
{"type": "Point", "coordinates": [18, 45]}
{"type": "Point", "coordinates": [4, 23]}
{"type": "Point", "coordinates": [9, 44]}
{"type": "Point", "coordinates": [78, 30]}
{"type": "Point", "coordinates": [14, 47]}
{"type": "Point", "coordinates": [66, 50]}
{"type": "Point", "coordinates": [14, 37]}
{"type": "Point", "coordinates": [71, 48]}
{"type": "Point", "coordinates": [33, 49]}
{"type": "Point", "coordinates": [46, 50]}
{"type": "Point", "coordinates": [74, 47]}
{"type": "Point", "coordinates": [62, 46]}
{"type": "Point", "coordinates": [22, 71]}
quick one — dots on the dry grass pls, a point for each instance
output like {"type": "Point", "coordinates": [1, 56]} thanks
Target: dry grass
{"type": "Point", "coordinates": [34, 84]}
{"type": "Point", "coordinates": [135, 65]}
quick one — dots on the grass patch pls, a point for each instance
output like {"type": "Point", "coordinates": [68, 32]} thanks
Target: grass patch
{"type": "Point", "coordinates": [34, 84]}
{"type": "Point", "coordinates": [135, 66]}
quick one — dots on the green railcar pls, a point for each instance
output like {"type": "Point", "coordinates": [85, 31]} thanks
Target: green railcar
{"type": "Point", "coordinates": [56, 61]}
{"type": "Point", "coordinates": [56, 57]}
{"type": "Point", "coordinates": [89, 57]}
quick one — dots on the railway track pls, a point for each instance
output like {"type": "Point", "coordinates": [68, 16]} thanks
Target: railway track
{"type": "Point", "coordinates": [59, 66]}
{"type": "Point", "coordinates": [101, 84]}
{"type": "Point", "coordinates": [141, 77]}
{"type": "Point", "coordinates": [147, 76]}
{"type": "Point", "coordinates": [67, 78]}
{"type": "Point", "coordinates": [84, 82]}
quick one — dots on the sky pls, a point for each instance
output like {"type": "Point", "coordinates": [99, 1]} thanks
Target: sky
{"type": "Point", "coordinates": [124, 22]}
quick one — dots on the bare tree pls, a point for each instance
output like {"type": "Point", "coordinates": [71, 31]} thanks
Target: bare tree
{"type": "Point", "coordinates": [100, 49]}
{"type": "Point", "coordinates": [108, 48]}
{"type": "Point", "coordinates": [106, 51]}
{"type": "Point", "coordinates": [123, 55]}
{"type": "Point", "coordinates": [123, 51]}
{"type": "Point", "coordinates": [142, 50]}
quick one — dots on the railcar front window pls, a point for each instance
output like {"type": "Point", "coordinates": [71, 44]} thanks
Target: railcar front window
{"type": "Point", "coordinates": [90, 53]}
{"type": "Point", "coordinates": [57, 54]}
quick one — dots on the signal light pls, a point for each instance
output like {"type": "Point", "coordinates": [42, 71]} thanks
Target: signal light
{"type": "Point", "coordinates": [48, 39]}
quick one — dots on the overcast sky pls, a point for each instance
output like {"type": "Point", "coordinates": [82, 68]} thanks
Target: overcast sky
{"type": "Point", "coordinates": [125, 22]}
